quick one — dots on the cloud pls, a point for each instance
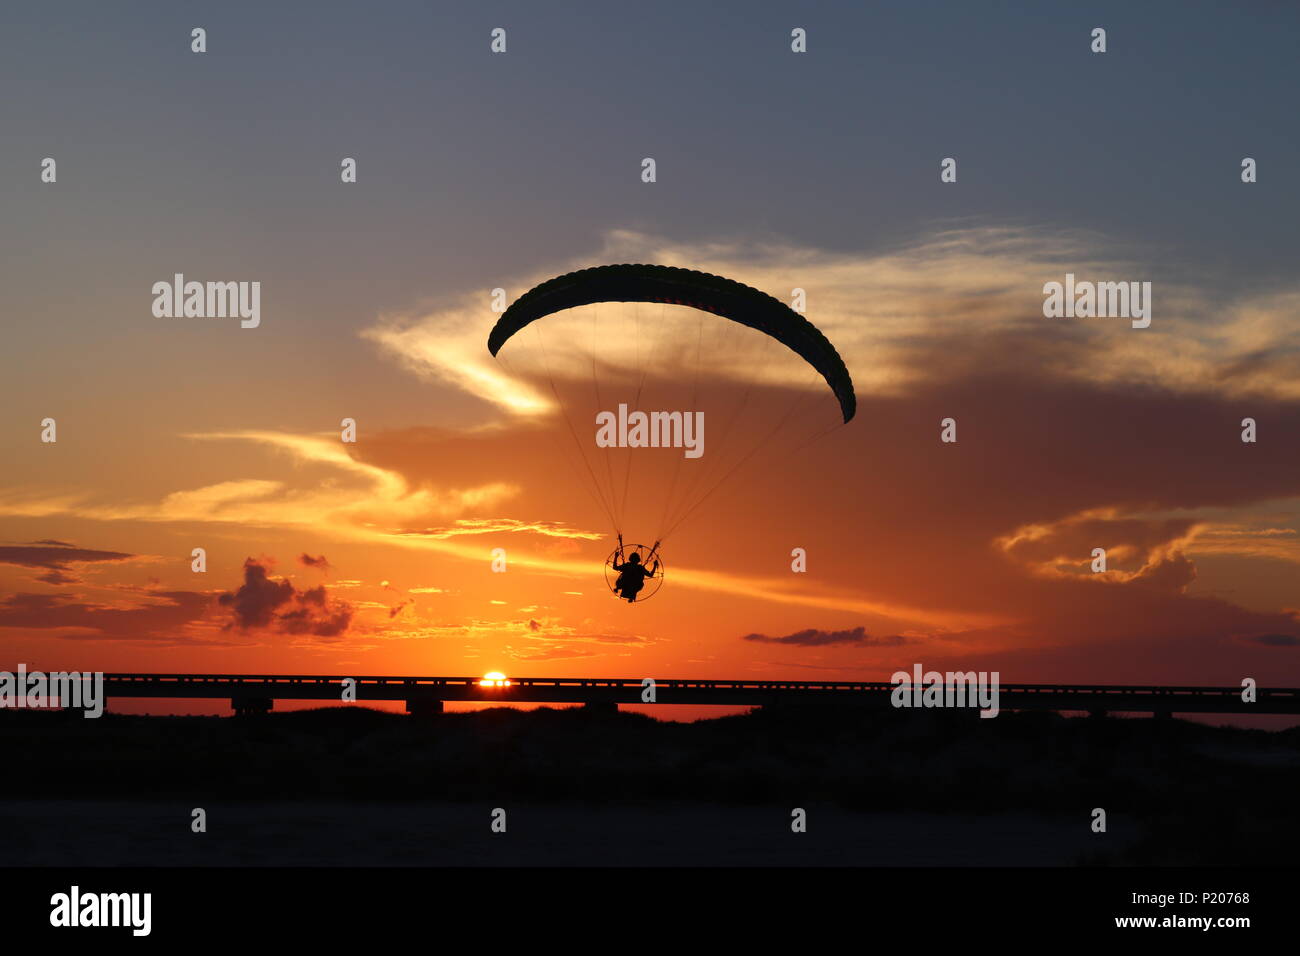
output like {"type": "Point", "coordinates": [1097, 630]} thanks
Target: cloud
{"type": "Point", "coordinates": [315, 614]}
{"type": "Point", "coordinates": [551, 630]}
{"type": "Point", "coordinates": [307, 561]}
{"type": "Point", "coordinates": [1221, 533]}
{"type": "Point", "coordinates": [812, 637]}
{"type": "Point", "coordinates": [1065, 546]}
{"type": "Point", "coordinates": [154, 617]}
{"type": "Point", "coordinates": [56, 555]}
{"type": "Point", "coordinates": [338, 494]}
{"type": "Point", "coordinates": [369, 496]}
{"type": "Point", "coordinates": [554, 653]}
{"type": "Point", "coordinates": [58, 578]}
{"type": "Point", "coordinates": [972, 296]}
{"type": "Point", "coordinates": [264, 603]}
{"type": "Point", "coordinates": [472, 526]}
{"type": "Point", "coordinates": [1275, 640]}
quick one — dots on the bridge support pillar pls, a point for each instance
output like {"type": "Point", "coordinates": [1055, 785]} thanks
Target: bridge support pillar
{"type": "Point", "coordinates": [424, 707]}
{"type": "Point", "coordinates": [250, 706]}
{"type": "Point", "coordinates": [1096, 714]}
{"type": "Point", "coordinates": [1163, 715]}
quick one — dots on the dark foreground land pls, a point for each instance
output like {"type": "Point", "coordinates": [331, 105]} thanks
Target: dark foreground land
{"type": "Point", "coordinates": [356, 787]}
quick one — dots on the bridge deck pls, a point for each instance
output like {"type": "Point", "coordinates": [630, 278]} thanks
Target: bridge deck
{"type": "Point", "coordinates": [1072, 697]}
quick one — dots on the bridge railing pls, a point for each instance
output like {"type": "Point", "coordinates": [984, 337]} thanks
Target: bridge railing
{"type": "Point", "coordinates": [677, 683]}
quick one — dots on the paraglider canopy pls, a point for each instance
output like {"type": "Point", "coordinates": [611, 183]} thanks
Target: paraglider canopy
{"type": "Point", "coordinates": [698, 290]}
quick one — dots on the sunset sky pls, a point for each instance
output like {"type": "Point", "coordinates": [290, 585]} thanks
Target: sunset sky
{"type": "Point", "coordinates": [818, 171]}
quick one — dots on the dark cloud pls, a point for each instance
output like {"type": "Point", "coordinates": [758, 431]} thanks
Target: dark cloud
{"type": "Point", "coordinates": [307, 561]}
{"type": "Point", "coordinates": [1275, 640]}
{"type": "Point", "coordinates": [812, 637]}
{"type": "Point", "coordinates": [58, 577]}
{"type": "Point", "coordinates": [315, 615]}
{"type": "Point", "coordinates": [264, 603]}
{"type": "Point", "coordinates": [257, 600]}
{"type": "Point", "coordinates": [55, 555]}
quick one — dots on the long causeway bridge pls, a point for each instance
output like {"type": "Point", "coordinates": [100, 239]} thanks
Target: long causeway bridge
{"type": "Point", "coordinates": [256, 693]}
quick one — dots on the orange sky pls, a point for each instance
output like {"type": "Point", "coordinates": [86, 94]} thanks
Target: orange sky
{"type": "Point", "coordinates": [1070, 436]}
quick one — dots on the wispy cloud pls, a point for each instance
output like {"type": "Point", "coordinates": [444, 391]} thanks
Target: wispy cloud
{"type": "Point", "coordinates": [955, 292]}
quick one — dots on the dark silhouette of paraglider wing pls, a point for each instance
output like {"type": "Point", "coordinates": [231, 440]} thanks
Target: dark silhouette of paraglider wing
{"type": "Point", "coordinates": [698, 290]}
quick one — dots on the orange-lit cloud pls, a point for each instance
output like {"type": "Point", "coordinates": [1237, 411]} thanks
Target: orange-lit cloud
{"type": "Point", "coordinates": [891, 313]}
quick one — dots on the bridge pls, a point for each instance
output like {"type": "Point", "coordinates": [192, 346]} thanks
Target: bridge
{"type": "Point", "coordinates": [256, 693]}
